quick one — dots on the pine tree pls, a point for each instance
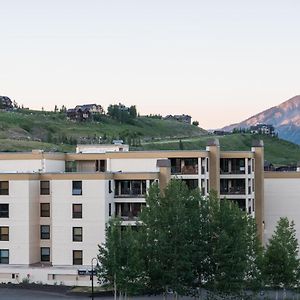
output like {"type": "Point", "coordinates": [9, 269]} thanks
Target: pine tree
{"type": "Point", "coordinates": [228, 247]}
{"type": "Point", "coordinates": [281, 262]}
{"type": "Point", "coordinates": [167, 249]}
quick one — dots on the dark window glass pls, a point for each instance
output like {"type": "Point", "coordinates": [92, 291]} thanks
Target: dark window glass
{"type": "Point", "coordinates": [77, 234]}
{"type": "Point", "coordinates": [4, 256]}
{"type": "Point", "coordinates": [77, 211]}
{"type": "Point", "coordinates": [4, 210]}
{"type": "Point", "coordinates": [45, 232]}
{"type": "Point", "coordinates": [77, 257]}
{"type": "Point", "coordinates": [45, 209]}
{"type": "Point", "coordinates": [77, 188]}
{"type": "Point", "coordinates": [3, 187]}
{"type": "Point", "coordinates": [4, 233]}
{"type": "Point", "coordinates": [45, 187]}
{"type": "Point", "coordinates": [45, 254]}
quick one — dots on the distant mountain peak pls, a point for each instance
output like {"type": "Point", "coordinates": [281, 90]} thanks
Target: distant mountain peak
{"type": "Point", "coordinates": [285, 117]}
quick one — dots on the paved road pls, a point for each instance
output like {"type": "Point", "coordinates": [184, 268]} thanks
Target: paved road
{"type": "Point", "coordinates": [18, 294]}
{"type": "Point", "coordinates": [23, 294]}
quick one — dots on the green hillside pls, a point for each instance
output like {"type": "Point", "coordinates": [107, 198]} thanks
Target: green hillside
{"type": "Point", "coordinates": [23, 130]}
{"type": "Point", "coordinates": [277, 151]}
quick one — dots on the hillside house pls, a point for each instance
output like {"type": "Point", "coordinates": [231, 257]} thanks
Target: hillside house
{"type": "Point", "coordinates": [180, 118]}
{"type": "Point", "coordinates": [5, 103]}
{"type": "Point", "coordinates": [84, 112]}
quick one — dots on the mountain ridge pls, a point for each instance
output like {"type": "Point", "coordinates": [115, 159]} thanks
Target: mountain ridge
{"type": "Point", "coordinates": [285, 117]}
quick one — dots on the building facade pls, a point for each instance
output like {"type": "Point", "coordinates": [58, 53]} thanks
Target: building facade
{"type": "Point", "coordinates": [54, 207]}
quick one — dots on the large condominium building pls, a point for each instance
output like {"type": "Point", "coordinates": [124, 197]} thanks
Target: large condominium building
{"type": "Point", "coordinates": [54, 206]}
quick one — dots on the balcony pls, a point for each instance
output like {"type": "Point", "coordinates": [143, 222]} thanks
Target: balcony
{"type": "Point", "coordinates": [130, 188]}
{"type": "Point", "coordinates": [128, 211]}
{"type": "Point", "coordinates": [232, 187]}
{"type": "Point", "coordinates": [232, 166]}
{"type": "Point", "coordinates": [182, 166]}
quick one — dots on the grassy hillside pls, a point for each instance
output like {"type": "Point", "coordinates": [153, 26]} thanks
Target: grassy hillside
{"type": "Point", "coordinates": [26, 130]}
{"type": "Point", "coordinates": [277, 151]}
{"type": "Point", "coordinates": [23, 130]}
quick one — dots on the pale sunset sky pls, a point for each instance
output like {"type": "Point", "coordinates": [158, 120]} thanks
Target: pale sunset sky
{"type": "Point", "coordinates": [219, 61]}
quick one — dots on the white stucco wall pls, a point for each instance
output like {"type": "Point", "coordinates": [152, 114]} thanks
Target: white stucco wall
{"type": "Point", "coordinates": [21, 166]}
{"type": "Point", "coordinates": [132, 165]}
{"type": "Point", "coordinates": [282, 199]}
{"type": "Point", "coordinates": [94, 200]}
{"type": "Point", "coordinates": [22, 221]}
{"type": "Point", "coordinates": [54, 165]}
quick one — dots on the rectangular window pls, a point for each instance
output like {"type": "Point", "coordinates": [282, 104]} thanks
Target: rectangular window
{"type": "Point", "coordinates": [45, 254]}
{"type": "Point", "coordinates": [45, 210]}
{"type": "Point", "coordinates": [4, 256]}
{"type": "Point", "coordinates": [4, 211]}
{"type": "Point", "coordinates": [109, 209]}
{"type": "Point", "coordinates": [45, 187]}
{"type": "Point", "coordinates": [109, 187]}
{"type": "Point", "coordinates": [45, 232]}
{"type": "Point", "coordinates": [3, 187]}
{"type": "Point", "coordinates": [77, 257]}
{"type": "Point", "coordinates": [76, 188]}
{"type": "Point", "coordinates": [4, 233]}
{"type": "Point", "coordinates": [77, 234]}
{"type": "Point", "coordinates": [77, 211]}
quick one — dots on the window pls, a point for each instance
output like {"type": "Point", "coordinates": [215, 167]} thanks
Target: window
{"type": "Point", "coordinates": [45, 254]}
{"type": "Point", "coordinates": [3, 187]}
{"type": "Point", "coordinates": [77, 257]}
{"type": "Point", "coordinates": [109, 187]}
{"type": "Point", "coordinates": [77, 211]}
{"type": "Point", "coordinates": [45, 232]}
{"type": "Point", "coordinates": [109, 209]}
{"type": "Point", "coordinates": [77, 234]}
{"type": "Point", "coordinates": [45, 187]}
{"type": "Point", "coordinates": [4, 211]}
{"type": "Point", "coordinates": [76, 188]}
{"type": "Point", "coordinates": [4, 233]}
{"type": "Point", "coordinates": [45, 210]}
{"type": "Point", "coordinates": [4, 256]}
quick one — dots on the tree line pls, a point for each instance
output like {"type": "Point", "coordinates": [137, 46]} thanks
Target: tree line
{"type": "Point", "coordinates": [190, 244]}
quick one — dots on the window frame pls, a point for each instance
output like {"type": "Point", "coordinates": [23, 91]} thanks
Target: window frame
{"type": "Point", "coordinates": [77, 261]}
{"type": "Point", "coordinates": [45, 235]}
{"type": "Point", "coordinates": [45, 257]}
{"type": "Point", "coordinates": [75, 236]}
{"type": "Point", "coordinates": [75, 190]}
{"type": "Point", "coordinates": [4, 257]}
{"type": "Point", "coordinates": [4, 211]}
{"type": "Point", "coordinates": [4, 191]}
{"type": "Point", "coordinates": [44, 190]}
{"type": "Point", "coordinates": [76, 214]}
{"type": "Point", "coordinates": [45, 213]}
{"type": "Point", "coordinates": [4, 236]}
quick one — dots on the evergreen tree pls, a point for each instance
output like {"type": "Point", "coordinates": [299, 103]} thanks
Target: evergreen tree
{"type": "Point", "coordinates": [228, 247]}
{"type": "Point", "coordinates": [281, 262]}
{"type": "Point", "coordinates": [109, 256]}
{"type": "Point", "coordinates": [165, 228]}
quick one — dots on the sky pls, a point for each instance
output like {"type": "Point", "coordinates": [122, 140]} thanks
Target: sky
{"type": "Point", "coordinates": [218, 61]}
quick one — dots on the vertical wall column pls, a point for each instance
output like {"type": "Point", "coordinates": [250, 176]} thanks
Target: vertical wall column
{"type": "Point", "coordinates": [213, 148]}
{"type": "Point", "coordinates": [258, 149]}
{"type": "Point", "coordinates": [164, 166]}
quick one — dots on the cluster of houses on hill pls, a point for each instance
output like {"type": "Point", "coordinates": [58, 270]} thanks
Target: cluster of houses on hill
{"type": "Point", "coordinates": [266, 129]}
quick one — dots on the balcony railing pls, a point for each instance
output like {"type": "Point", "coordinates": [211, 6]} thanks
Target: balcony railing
{"type": "Point", "coordinates": [133, 193]}
{"type": "Point", "coordinates": [233, 190]}
{"type": "Point", "coordinates": [184, 170]}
